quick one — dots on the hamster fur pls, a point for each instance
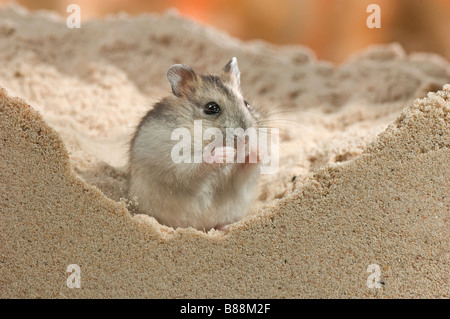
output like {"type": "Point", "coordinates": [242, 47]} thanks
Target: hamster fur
{"type": "Point", "coordinates": [198, 195]}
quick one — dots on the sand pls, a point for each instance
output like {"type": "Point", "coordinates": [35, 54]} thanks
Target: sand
{"type": "Point", "coordinates": [363, 178]}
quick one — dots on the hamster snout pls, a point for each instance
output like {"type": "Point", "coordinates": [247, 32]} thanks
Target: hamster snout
{"type": "Point", "coordinates": [193, 158]}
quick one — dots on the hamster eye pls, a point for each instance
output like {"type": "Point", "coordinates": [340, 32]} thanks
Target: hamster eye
{"type": "Point", "coordinates": [212, 108]}
{"type": "Point", "coordinates": [246, 104]}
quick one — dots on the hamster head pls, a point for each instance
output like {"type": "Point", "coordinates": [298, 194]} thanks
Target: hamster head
{"type": "Point", "coordinates": [215, 99]}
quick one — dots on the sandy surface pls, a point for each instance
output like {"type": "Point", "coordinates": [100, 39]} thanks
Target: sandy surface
{"type": "Point", "coordinates": [371, 163]}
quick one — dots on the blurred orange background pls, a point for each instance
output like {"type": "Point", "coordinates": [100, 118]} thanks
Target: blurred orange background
{"type": "Point", "coordinates": [332, 28]}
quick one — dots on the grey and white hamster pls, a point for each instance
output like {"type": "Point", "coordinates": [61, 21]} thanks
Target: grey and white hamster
{"type": "Point", "coordinates": [192, 194]}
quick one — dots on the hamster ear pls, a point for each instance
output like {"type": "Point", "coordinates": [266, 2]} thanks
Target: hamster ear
{"type": "Point", "coordinates": [182, 79]}
{"type": "Point", "coordinates": [232, 73]}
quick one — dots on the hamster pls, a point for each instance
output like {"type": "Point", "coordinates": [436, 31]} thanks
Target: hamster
{"type": "Point", "coordinates": [185, 194]}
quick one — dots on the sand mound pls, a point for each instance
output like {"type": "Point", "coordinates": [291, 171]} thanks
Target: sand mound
{"type": "Point", "coordinates": [370, 161]}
